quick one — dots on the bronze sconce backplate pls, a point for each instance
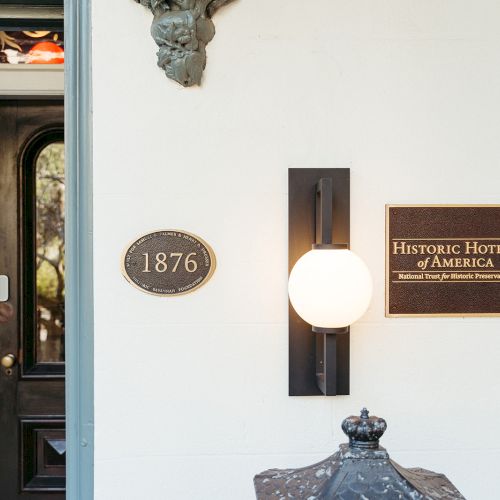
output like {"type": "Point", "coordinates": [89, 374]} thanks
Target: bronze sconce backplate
{"type": "Point", "coordinates": [318, 361]}
{"type": "Point", "coordinates": [182, 29]}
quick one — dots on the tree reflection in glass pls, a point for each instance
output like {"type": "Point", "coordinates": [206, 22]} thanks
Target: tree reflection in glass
{"type": "Point", "coordinates": [50, 254]}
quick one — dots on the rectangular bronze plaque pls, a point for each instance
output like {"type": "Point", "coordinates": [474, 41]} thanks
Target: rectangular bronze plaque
{"type": "Point", "coordinates": [442, 260]}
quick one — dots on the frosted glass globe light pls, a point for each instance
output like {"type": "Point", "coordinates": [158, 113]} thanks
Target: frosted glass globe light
{"type": "Point", "coordinates": [330, 288]}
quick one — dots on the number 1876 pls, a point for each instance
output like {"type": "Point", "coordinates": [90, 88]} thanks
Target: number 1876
{"type": "Point", "coordinates": [161, 262]}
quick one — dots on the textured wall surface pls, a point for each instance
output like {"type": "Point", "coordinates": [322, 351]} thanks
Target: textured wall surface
{"type": "Point", "coordinates": [191, 392]}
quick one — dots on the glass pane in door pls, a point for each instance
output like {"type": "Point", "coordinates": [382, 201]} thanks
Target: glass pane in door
{"type": "Point", "coordinates": [31, 47]}
{"type": "Point", "coordinates": [50, 186]}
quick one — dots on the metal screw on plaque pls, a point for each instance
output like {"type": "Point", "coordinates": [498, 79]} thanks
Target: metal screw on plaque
{"type": "Point", "coordinates": [360, 469]}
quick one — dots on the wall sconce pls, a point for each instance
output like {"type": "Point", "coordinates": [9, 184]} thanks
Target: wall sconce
{"type": "Point", "coordinates": [329, 287]}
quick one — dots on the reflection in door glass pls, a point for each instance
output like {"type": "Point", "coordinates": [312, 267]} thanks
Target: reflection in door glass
{"type": "Point", "coordinates": [50, 254]}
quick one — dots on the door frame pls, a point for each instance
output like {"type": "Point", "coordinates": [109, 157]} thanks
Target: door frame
{"type": "Point", "coordinates": [79, 252]}
{"type": "Point", "coordinates": [44, 82]}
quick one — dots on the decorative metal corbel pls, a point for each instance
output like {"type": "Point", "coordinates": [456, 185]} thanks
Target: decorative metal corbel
{"type": "Point", "coordinates": [182, 29]}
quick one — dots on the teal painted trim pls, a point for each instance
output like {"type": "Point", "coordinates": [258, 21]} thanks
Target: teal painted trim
{"type": "Point", "coordinates": [79, 266]}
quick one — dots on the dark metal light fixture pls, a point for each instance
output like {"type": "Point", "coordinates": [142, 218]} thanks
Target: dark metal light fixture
{"type": "Point", "coordinates": [329, 287]}
{"type": "Point", "coordinates": [360, 469]}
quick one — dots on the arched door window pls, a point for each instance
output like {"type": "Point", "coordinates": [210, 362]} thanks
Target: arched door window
{"type": "Point", "coordinates": [43, 274]}
{"type": "Point", "coordinates": [49, 195]}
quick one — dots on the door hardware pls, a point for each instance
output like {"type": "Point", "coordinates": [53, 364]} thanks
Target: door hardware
{"type": "Point", "coordinates": [8, 361]}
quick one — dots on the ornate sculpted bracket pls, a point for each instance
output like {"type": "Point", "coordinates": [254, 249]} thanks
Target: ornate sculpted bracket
{"type": "Point", "coordinates": [182, 29]}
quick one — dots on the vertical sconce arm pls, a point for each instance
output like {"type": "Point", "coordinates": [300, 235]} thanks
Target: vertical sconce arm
{"type": "Point", "coordinates": [324, 210]}
{"type": "Point", "coordinates": [330, 371]}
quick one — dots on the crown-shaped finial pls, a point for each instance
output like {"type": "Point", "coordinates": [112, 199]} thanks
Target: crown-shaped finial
{"type": "Point", "coordinates": [364, 431]}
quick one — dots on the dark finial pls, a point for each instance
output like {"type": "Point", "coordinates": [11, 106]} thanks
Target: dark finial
{"type": "Point", "coordinates": [364, 431]}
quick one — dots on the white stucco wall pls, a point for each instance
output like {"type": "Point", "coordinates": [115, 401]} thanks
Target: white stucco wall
{"type": "Point", "coordinates": [191, 393]}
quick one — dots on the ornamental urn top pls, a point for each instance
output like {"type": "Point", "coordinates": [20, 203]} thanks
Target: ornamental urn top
{"type": "Point", "coordinates": [361, 469]}
{"type": "Point", "coordinates": [364, 431]}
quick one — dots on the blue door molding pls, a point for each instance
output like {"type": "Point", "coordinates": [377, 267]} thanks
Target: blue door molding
{"type": "Point", "coordinates": [79, 266]}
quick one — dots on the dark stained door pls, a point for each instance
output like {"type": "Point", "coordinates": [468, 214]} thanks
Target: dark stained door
{"type": "Point", "coordinates": [32, 424]}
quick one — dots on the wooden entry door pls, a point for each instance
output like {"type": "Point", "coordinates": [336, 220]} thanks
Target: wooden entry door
{"type": "Point", "coordinates": [32, 422]}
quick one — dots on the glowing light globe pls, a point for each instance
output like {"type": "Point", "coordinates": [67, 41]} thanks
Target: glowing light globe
{"type": "Point", "coordinates": [330, 288]}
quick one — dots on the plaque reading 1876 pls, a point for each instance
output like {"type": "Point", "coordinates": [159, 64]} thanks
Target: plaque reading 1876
{"type": "Point", "coordinates": [443, 260]}
{"type": "Point", "coordinates": [168, 263]}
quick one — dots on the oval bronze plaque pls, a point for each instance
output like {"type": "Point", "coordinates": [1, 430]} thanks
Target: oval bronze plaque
{"type": "Point", "coordinates": [168, 263]}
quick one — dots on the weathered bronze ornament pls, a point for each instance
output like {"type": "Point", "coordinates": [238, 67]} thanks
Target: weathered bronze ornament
{"type": "Point", "coordinates": [182, 29]}
{"type": "Point", "coordinates": [360, 470]}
